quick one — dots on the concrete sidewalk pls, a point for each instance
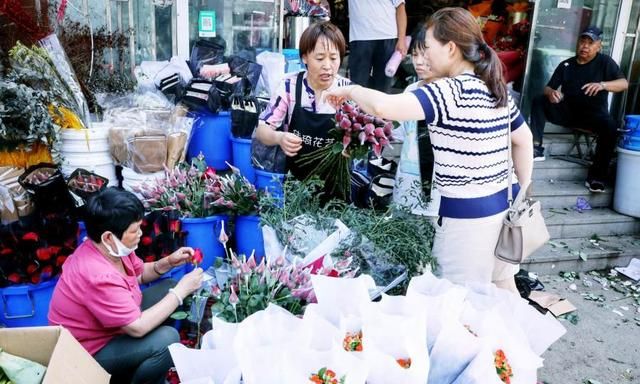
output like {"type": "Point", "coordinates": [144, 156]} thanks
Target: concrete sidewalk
{"type": "Point", "coordinates": [604, 344]}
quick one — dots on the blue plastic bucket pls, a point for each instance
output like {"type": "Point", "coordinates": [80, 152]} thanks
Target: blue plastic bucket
{"type": "Point", "coordinates": [271, 182]}
{"type": "Point", "coordinates": [249, 236]}
{"type": "Point", "coordinates": [26, 305]}
{"type": "Point", "coordinates": [211, 135]}
{"type": "Point", "coordinates": [203, 233]}
{"type": "Point", "coordinates": [176, 274]}
{"type": "Point", "coordinates": [631, 137]}
{"type": "Point", "coordinates": [242, 157]}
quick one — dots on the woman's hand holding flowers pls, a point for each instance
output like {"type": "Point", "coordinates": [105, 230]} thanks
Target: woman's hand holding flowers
{"type": "Point", "coordinates": [290, 143]}
{"type": "Point", "coordinates": [181, 256]}
{"type": "Point", "coordinates": [189, 283]}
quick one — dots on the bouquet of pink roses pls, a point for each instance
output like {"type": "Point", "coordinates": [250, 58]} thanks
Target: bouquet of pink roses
{"type": "Point", "coordinates": [356, 133]}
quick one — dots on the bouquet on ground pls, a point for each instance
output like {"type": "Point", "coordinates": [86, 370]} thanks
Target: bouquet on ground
{"type": "Point", "coordinates": [356, 134]}
{"type": "Point", "coordinates": [195, 190]}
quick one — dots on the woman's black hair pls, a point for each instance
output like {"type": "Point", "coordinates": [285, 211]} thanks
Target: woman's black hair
{"type": "Point", "coordinates": [113, 210]}
{"type": "Point", "coordinates": [418, 38]}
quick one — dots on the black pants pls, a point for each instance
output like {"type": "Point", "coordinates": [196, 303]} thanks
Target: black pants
{"type": "Point", "coordinates": [367, 59]}
{"type": "Point", "coordinates": [570, 115]}
{"type": "Point", "coordinates": [143, 360]}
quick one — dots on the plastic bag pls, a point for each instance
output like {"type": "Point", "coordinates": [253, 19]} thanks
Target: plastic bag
{"type": "Point", "coordinates": [202, 95]}
{"type": "Point", "coordinates": [269, 158]}
{"type": "Point", "coordinates": [209, 51]}
{"type": "Point", "coordinates": [244, 116]}
{"type": "Point", "coordinates": [178, 137]}
{"type": "Point", "coordinates": [147, 154]}
{"type": "Point", "coordinates": [46, 184]}
{"type": "Point", "coordinates": [273, 65]}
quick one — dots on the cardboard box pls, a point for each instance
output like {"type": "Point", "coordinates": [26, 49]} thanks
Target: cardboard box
{"type": "Point", "coordinates": [66, 360]}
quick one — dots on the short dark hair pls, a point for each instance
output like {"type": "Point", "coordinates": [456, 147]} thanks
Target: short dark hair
{"type": "Point", "coordinates": [418, 38]}
{"type": "Point", "coordinates": [114, 210]}
{"type": "Point", "coordinates": [325, 29]}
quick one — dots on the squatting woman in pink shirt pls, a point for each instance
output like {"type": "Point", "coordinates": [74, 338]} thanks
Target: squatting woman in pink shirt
{"type": "Point", "coordinates": [98, 298]}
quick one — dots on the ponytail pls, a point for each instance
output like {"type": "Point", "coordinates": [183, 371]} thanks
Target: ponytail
{"type": "Point", "coordinates": [459, 26]}
{"type": "Point", "coordinates": [489, 69]}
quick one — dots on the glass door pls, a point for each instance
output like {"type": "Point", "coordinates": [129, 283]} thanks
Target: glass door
{"type": "Point", "coordinates": [244, 24]}
{"type": "Point", "coordinates": [630, 63]}
{"type": "Point", "coordinates": [555, 30]}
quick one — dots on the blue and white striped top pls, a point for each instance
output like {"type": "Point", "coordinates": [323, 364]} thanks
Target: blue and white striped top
{"type": "Point", "coordinates": [469, 137]}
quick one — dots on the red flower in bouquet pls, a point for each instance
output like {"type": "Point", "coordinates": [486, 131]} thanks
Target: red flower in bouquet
{"type": "Point", "coordinates": [326, 376]}
{"type": "Point", "coordinates": [352, 342]}
{"type": "Point", "coordinates": [355, 134]}
{"type": "Point", "coordinates": [404, 363]}
{"type": "Point", "coordinates": [503, 368]}
{"type": "Point", "coordinates": [32, 236]}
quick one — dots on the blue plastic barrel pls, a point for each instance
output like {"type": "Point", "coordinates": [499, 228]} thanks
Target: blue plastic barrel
{"type": "Point", "coordinates": [242, 157]}
{"type": "Point", "coordinates": [211, 135]}
{"type": "Point", "coordinates": [26, 305]}
{"type": "Point", "coordinates": [203, 233]}
{"type": "Point", "coordinates": [271, 182]}
{"type": "Point", "coordinates": [248, 235]}
{"type": "Point", "coordinates": [631, 137]}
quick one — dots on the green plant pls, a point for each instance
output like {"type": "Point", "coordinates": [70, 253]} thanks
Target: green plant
{"type": "Point", "coordinates": [378, 240]}
{"type": "Point", "coordinates": [25, 120]}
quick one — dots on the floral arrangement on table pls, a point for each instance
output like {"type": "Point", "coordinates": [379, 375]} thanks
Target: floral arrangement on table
{"type": "Point", "coordinates": [356, 134]}
{"type": "Point", "coordinates": [250, 286]}
{"type": "Point", "coordinates": [326, 376]}
{"type": "Point", "coordinates": [193, 189]}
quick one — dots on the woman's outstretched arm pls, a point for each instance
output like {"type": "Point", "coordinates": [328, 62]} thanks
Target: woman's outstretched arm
{"type": "Point", "coordinates": [400, 107]}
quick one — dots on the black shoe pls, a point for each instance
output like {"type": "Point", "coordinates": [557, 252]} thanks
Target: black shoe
{"type": "Point", "coordinates": [594, 186]}
{"type": "Point", "coordinates": [538, 153]}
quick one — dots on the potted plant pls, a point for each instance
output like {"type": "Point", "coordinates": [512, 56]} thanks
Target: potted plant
{"type": "Point", "coordinates": [195, 191]}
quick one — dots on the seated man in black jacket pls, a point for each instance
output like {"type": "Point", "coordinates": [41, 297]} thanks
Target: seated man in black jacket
{"type": "Point", "coordinates": [576, 96]}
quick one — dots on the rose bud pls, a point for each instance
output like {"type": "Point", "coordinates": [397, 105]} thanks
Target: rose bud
{"type": "Point", "coordinates": [388, 128]}
{"type": "Point", "coordinates": [197, 256]}
{"type": "Point", "coordinates": [362, 136]}
{"type": "Point", "coordinates": [346, 140]}
{"type": "Point", "coordinates": [369, 129]}
{"type": "Point", "coordinates": [378, 132]}
{"type": "Point", "coordinates": [357, 127]}
{"type": "Point", "coordinates": [345, 123]}
{"type": "Point", "coordinates": [347, 107]}
{"type": "Point", "coordinates": [368, 119]}
{"type": "Point", "coordinates": [339, 116]}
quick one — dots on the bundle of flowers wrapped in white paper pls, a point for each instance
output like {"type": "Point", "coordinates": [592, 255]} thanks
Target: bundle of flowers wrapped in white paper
{"type": "Point", "coordinates": [438, 333]}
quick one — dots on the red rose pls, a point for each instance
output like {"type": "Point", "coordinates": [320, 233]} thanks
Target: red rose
{"type": "Point", "coordinates": [30, 236]}
{"type": "Point", "coordinates": [47, 272]}
{"type": "Point", "coordinates": [31, 268]}
{"type": "Point", "coordinates": [60, 260]}
{"type": "Point", "coordinates": [54, 249]}
{"type": "Point", "coordinates": [174, 225]}
{"type": "Point", "coordinates": [6, 251]}
{"type": "Point", "coordinates": [43, 254]}
{"type": "Point", "coordinates": [35, 279]}
{"type": "Point", "coordinates": [197, 256]}
{"type": "Point", "coordinates": [146, 241]}
{"type": "Point", "coordinates": [209, 172]}
{"type": "Point", "coordinates": [150, 259]}
{"type": "Point", "coordinates": [14, 278]}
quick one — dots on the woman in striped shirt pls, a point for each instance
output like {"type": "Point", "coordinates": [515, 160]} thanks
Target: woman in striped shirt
{"type": "Point", "coordinates": [468, 112]}
{"type": "Point", "coordinates": [297, 119]}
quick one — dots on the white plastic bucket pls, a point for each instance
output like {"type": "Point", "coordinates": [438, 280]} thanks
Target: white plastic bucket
{"type": "Point", "coordinates": [625, 198]}
{"type": "Point", "coordinates": [88, 149]}
{"type": "Point", "coordinates": [86, 140]}
{"type": "Point", "coordinates": [131, 178]}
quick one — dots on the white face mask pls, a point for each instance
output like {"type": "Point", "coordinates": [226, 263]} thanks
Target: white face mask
{"type": "Point", "coordinates": [122, 250]}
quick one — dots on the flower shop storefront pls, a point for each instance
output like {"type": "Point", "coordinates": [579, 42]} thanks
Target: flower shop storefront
{"type": "Point", "coordinates": [298, 288]}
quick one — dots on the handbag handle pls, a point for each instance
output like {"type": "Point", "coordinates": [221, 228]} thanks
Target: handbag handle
{"type": "Point", "coordinates": [526, 188]}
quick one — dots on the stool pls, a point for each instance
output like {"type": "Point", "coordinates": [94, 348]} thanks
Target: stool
{"type": "Point", "coordinates": [580, 136]}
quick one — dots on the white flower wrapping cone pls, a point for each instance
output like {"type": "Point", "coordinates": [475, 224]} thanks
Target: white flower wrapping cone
{"type": "Point", "coordinates": [427, 326]}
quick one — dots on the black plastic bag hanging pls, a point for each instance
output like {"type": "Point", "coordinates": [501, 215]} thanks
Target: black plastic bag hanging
{"type": "Point", "coordinates": [206, 52]}
{"type": "Point", "coordinates": [244, 116]}
{"type": "Point", "coordinates": [45, 183]}
{"type": "Point", "coordinates": [201, 95]}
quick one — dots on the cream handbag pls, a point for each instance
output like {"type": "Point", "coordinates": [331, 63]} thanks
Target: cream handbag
{"type": "Point", "coordinates": [523, 229]}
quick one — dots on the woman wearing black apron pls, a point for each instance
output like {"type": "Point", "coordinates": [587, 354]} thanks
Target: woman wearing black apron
{"type": "Point", "coordinates": [297, 119]}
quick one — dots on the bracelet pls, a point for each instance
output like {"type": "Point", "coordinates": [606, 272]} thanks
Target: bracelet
{"type": "Point", "coordinates": [155, 269]}
{"type": "Point", "coordinates": [173, 291]}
